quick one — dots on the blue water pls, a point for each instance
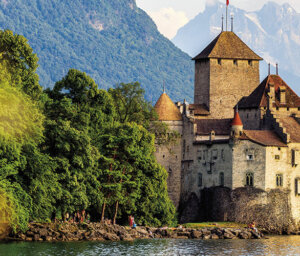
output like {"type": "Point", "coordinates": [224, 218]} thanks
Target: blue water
{"type": "Point", "coordinates": [277, 245]}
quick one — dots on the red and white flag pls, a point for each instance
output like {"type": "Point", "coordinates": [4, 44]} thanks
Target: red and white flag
{"type": "Point", "coordinates": [227, 2]}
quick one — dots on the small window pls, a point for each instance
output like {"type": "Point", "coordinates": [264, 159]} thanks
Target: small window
{"type": "Point", "coordinates": [277, 157]}
{"type": "Point", "coordinates": [219, 62]}
{"type": "Point", "coordinates": [250, 63]}
{"type": "Point", "coordinates": [188, 149]}
{"type": "Point", "coordinates": [294, 158]}
{"type": "Point", "coordinates": [235, 62]}
{"type": "Point", "coordinates": [288, 109]}
{"type": "Point", "coordinates": [222, 179]}
{"type": "Point", "coordinates": [277, 108]}
{"type": "Point", "coordinates": [250, 157]}
{"type": "Point", "coordinates": [214, 154]}
{"type": "Point", "coordinates": [191, 112]}
{"type": "Point", "coordinates": [163, 156]}
{"type": "Point", "coordinates": [247, 116]}
{"type": "Point", "coordinates": [279, 180]}
{"type": "Point", "coordinates": [249, 179]}
{"type": "Point", "coordinates": [297, 187]}
{"type": "Point", "coordinates": [205, 153]}
{"type": "Point", "coordinates": [199, 179]}
{"type": "Point", "coordinates": [223, 154]}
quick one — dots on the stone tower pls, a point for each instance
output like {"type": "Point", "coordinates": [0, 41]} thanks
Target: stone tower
{"type": "Point", "coordinates": [170, 156]}
{"type": "Point", "coordinates": [225, 71]}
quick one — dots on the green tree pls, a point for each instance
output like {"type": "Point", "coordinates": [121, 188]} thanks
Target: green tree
{"type": "Point", "coordinates": [19, 63]}
{"type": "Point", "coordinates": [131, 105]}
{"type": "Point", "coordinates": [76, 112]}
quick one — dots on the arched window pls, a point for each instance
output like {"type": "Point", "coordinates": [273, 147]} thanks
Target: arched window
{"type": "Point", "coordinates": [249, 179]}
{"type": "Point", "coordinates": [279, 180]}
{"type": "Point", "coordinates": [222, 179]}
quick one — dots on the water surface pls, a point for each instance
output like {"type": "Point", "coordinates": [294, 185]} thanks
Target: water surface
{"type": "Point", "coordinates": [276, 245]}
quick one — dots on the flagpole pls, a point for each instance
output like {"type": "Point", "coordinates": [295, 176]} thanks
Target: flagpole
{"type": "Point", "coordinates": [226, 13]}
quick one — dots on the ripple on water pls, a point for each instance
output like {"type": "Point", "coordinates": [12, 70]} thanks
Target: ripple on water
{"type": "Point", "coordinates": [277, 245]}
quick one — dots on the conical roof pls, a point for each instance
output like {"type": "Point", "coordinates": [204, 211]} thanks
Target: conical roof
{"type": "Point", "coordinates": [236, 120]}
{"type": "Point", "coordinates": [227, 45]}
{"type": "Point", "coordinates": [166, 109]}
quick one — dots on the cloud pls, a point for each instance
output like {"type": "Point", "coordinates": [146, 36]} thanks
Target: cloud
{"type": "Point", "coordinates": [211, 2]}
{"type": "Point", "coordinates": [168, 20]}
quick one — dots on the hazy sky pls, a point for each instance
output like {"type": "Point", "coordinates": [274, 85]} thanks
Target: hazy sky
{"type": "Point", "coordinates": [170, 15]}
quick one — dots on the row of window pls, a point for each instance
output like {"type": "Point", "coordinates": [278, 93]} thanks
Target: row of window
{"type": "Point", "coordinates": [214, 155]}
{"type": "Point", "coordinates": [249, 179]}
{"type": "Point", "coordinates": [235, 62]}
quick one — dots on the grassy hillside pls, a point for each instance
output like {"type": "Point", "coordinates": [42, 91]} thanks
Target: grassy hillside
{"type": "Point", "coordinates": [111, 40]}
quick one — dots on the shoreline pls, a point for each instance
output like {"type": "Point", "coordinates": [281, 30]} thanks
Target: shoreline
{"type": "Point", "coordinates": [65, 232]}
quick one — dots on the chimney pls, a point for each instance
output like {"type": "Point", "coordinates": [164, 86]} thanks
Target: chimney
{"type": "Point", "coordinates": [271, 94]}
{"type": "Point", "coordinates": [269, 69]}
{"type": "Point", "coordinates": [277, 69]}
{"type": "Point", "coordinates": [282, 94]}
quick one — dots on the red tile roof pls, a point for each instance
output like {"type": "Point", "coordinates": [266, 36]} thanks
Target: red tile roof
{"type": "Point", "coordinates": [219, 126]}
{"type": "Point", "coordinates": [292, 128]}
{"type": "Point", "coordinates": [227, 45]}
{"type": "Point", "coordinates": [236, 120]}
{"type": "Point", "coordinates": [258, 98]}
{"type": "Point", "coordinates": [263, 137]}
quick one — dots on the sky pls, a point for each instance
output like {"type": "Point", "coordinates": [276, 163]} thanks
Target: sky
{"type": "Point", "coordinates": [170, 15]}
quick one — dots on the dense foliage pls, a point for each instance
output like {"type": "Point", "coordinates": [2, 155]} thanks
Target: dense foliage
{"type": "Point", "coordinates": [77, 147]}
{"type": "Point", "coordinates": [113, 41]}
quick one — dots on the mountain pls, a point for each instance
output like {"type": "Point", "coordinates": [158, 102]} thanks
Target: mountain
{"type": "Point", "coordinates": [272, 32]}
{"type": "Point", "coordinates": [113, 41]}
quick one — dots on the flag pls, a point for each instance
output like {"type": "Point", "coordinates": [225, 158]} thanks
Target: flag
{"type": "Point", "coordinates": [227, 2]}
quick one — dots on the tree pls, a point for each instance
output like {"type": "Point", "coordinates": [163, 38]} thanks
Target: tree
{"type": "Point", "coordinates": [18, 60]}
{"type": "Point", "coordinates": [131, 105]}
{"type": "Point", "coordinates": [76, 113]}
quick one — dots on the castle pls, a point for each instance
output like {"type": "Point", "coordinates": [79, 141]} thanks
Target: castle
{"type": "Point", "coordinates": [239, 134]}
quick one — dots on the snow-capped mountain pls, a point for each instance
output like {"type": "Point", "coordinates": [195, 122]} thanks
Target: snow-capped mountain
{"type": "Point", "coordinates": [272, 32]}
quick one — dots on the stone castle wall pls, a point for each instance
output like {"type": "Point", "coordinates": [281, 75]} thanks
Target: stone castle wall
{"type": "Point", "coordinates": [248, 157]}
{"type": "Point", "coordinates": [220, 84]}
{"type": "Point", "coordinates": [202, 78]}
{"type": "Point", "coordinates": [251, 118]}
{"type": "Point", "coordinates": [170, 158]}
{"type": "Point", "coordinates": [270, 210]}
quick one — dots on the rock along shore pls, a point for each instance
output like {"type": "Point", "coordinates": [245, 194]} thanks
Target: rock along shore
{"type": "Point", "coordinates": [103, 232]}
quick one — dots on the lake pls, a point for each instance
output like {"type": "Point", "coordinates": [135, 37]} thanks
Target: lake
{"type": "Point", "coordinates": [275, 245]}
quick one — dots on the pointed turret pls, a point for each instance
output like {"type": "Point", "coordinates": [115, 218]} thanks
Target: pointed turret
{"type": "Point", "coordinates": [166, 109]}
{"type": "Point", "coordinates": [236, 125]}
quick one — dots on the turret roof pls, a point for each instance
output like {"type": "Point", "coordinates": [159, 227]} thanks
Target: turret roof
{"type": "Point", "coordinates": [236, 120]}
{"type": "Point", "coordinates": [227, 45]}
{"type": "Point", "coordinates": [166, 109]}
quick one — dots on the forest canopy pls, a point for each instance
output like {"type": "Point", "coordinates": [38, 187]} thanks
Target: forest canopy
{"type": "Point", "coordinates": [76, 147]}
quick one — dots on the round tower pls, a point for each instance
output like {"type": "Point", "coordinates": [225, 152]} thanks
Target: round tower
{"type": "Point", "coordinates": [170, 156]}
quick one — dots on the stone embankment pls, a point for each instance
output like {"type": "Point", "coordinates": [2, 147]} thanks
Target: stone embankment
{"type": "Point", "coordinates": [103, 232]}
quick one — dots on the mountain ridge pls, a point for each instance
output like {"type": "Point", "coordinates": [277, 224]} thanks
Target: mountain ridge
{"type": "Point", "coordinates": [113, 41]}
